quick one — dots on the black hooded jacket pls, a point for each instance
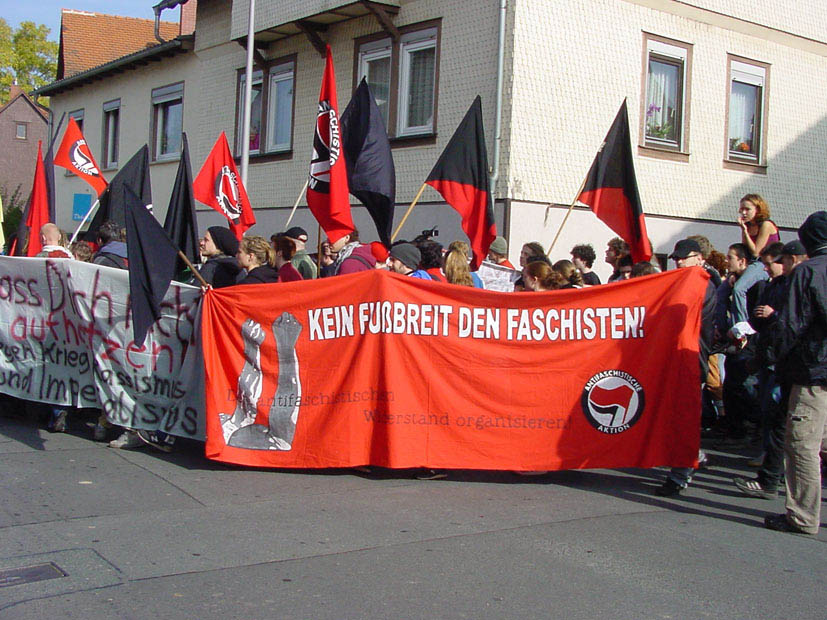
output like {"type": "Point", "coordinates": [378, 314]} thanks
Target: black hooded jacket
{"type": "Point", "coordinates": [800, 342]}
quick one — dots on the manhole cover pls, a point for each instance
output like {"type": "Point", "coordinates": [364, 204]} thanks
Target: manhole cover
{"type": "Point", "coordinates": [29, 574]}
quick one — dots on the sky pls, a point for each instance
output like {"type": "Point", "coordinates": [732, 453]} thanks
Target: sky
{"type": "Point", "coordinates": [48, 11]}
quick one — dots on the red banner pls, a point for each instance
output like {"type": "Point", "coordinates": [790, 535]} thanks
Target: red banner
{"type": "Point", "coordinates": [379, 369]}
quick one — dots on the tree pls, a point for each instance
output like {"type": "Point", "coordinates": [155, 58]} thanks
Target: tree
{"type": "Point", "coordinates": [26, 56]}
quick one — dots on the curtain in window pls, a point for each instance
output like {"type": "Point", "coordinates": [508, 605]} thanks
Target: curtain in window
{"type": "Point", "coordinates": [742, 106]}
{"type": "Point", "coordinates": [662, 101]}
{"type": "Point", "coordinates": [421, 87]}
{"type": "Point", "coordinates": [379, 81]}
{"type": "Point", "coordinates": [281, 92]}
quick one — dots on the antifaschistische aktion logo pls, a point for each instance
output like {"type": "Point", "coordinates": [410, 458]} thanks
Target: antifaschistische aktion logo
{"type": "Point", "coordinates": [612, 401]}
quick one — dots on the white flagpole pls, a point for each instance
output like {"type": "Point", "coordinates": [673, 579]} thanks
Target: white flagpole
{"type": "Point", "coordinates": [298, 200]}
{"type": "Point", "coordinates": [248, 94]}
{"type": "Point", "coordinates": [83, 221]}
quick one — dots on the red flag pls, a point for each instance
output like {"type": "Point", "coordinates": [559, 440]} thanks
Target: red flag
{"type": "Point", "coordinates": [75, 156]}
{"type": "Point", "coordinates": [611, 188]}
{"type": "Point", "coordinates": [461, 176]}
{"type": "Point", "coordinates": [38, 205]}
{"type": "Point", "coordinates": [327, 191]}
{"type": "Point", "coordinates": [219, 185]}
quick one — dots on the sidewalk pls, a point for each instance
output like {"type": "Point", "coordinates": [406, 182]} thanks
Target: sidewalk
{"type": "Point", "coordinates": [143, 534]}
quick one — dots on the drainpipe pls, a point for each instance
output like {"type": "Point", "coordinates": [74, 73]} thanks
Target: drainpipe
{"type": "Point", "coordinates": [495, 166]}
{"type": "Point", "coordinates": [248, 93]}
{"type": "Point", "coordinates": [164, 4]}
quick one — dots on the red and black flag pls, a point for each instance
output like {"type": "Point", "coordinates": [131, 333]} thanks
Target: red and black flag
{"type": "Point", "coordinates": [370, 171]}
{"type": "Point", "coordinates": [327, 191]}
{"type": "Point", "coordinates": [461, 176]}
{"type": "Point", "coordinates": [611, 188]}
{"type": "Point", "coordinates": [37, 213]}
{"type": "Point", "coordinates": [180, 223]}
{"type": "Point", "coordinates": [219, 185]}
{"type": "Point", "coordinates": [75, 156]}
{"type": "Point", "coordinates": [151, 263]}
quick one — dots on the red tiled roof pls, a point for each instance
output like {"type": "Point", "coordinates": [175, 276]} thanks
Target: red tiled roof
{"type": "Point", "coordinates": [88, 40]}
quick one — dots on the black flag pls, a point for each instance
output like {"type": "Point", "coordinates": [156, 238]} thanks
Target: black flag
{"type": "Point", "coordinates": [180, 223]}
{"type": "Point", "coordinates": [370, 172]}
{"type": "Point", "coordinates": [135, 176]}
{"type": "Point", "coordinates": [151, 263]}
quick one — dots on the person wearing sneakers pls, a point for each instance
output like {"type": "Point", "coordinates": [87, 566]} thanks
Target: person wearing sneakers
{"type": "Point", "coordinates": [800, 349]}
{"type": "Point", "coordinates": [687, 253]}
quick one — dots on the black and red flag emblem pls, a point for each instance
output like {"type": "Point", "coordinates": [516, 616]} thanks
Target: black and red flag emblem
{"type": "Point", "coordinates": [611, 188]}
{"type": "Point", "coordinates": [461, 176]}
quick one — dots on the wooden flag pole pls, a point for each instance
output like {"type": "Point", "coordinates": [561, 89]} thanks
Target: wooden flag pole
{"type": "Point", "coordinates": [563, 223]}
{"type": "Point", "coordinates": [408, 212]}
{"type": "Point", "coordinates": [195, 272]}
{"type": "Point", "coordinates": [83, 221]}
{"type": "Point", "coordinates": [298, 200]}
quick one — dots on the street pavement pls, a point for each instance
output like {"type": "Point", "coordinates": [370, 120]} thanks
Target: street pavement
{"type": "Point", "coordinates": [143, 534]}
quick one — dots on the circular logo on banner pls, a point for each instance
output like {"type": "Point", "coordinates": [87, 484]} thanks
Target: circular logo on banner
{"type": "Point", "coordinates": [326, 147]}
{"type": "Point", "coordinates": [227, 193]}
{"type": "Point", "coordinates": [81, 161]}
{"type": "Point", "coordinates": [612, 401]}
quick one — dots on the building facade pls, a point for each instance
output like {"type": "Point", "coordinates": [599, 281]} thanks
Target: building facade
{"type": "Point", "coordinates": [724, 98]}
{"type": "Point", "coordinates": [22, 123]}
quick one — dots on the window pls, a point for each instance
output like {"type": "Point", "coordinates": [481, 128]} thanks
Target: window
{"type": "Point", "coordinates": [167, 121]}
{"type": "Point", "coordinates": [21, 131]}
{"type": "Point", "coordinates": [78, 116]}
{"type": "Point", "coordinates": [402, 77]}
{"type": "Point", "coordinates": [111, 132]}
{"type": "Point", "coordinates": [746, 107]}
{"type": "Point", "coordinates": [665, 113]}
{"type": "Point", "coordinates": [271, 111]}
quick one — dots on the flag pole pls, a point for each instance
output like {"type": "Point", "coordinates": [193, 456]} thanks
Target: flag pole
{"type": "Point", "coordinates": [408, 212]}
{"type": "Point", "coordinates": [319, 250]}
{"type": "Point", "coordinates": [571, 208]}
{"type": "Point", "coordinates": [195, 271]}
{"type": "Point", "coordinates": [83, 221]}
{"type": "Point", "coordinates": [248, 93]}
{"type": "Point", "coordinates": [298, 200]}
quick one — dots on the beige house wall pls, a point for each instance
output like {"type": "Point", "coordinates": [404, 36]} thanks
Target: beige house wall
{"type": "Point", "coordinates": [134, 88]}
{"type": "Point", "coordinates": [575, 62]}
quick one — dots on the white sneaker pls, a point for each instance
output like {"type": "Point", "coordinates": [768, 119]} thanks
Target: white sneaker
{"type": "Point", "coordinates": [127, 440]}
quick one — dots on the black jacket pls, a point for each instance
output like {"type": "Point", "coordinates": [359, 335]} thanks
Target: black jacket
{"type": "Point", "coordinates": [220, 271]}
{"type": "Point", "coordinates": [261, 275]}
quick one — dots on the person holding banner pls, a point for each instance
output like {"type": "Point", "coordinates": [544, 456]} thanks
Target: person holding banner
{"type": "Point", "coordinates": [258, 258]}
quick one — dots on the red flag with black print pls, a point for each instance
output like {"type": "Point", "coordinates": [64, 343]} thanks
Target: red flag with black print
{"type": "Point", "coordinates": [327, 191]}
{"type": "Point", "coordinates": [461, 176]}
{"type": "Point", "coordinates": [219, 185]}
{"type": "Point", "coordinates": [611, 188]}
{"type": "Point", "coordinates": [75, 156]}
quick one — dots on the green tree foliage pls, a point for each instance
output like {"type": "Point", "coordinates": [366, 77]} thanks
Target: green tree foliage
{"type": "Point", "coordinates": [26, 56]}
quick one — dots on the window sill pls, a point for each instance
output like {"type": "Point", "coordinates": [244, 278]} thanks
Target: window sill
{"type": "Point", "coordinates": [662, 153]}
{"type": "Point", "coordinates": [110, 168]}
{"type": "Point", "coordinates": [745, 166]}
{"type": "Point", "coordinates": [264, 158]}
{"type": "Point", "coordinates": [425, 139]}
{"type": "Point", "coordinates": [166, 160]}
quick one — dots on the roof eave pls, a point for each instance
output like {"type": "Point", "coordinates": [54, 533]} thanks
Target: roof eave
{"type": "Point", "coordinates": [178, 45]}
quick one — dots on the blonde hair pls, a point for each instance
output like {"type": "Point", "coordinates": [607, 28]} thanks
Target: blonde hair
{"type": "Point", "coordinates": [260, 249]}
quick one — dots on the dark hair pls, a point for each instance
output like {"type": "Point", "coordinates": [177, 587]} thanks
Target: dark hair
{"type": "Point", "coordinates": [567, 269]}
{"type": "Point", "coordinates": [109, 231]}
{"type": "Point", "coordinates": [620, 247]}
{"type": "Point", "coordinates": [538, 259]}
{"type": "Point", "coordinates": [773, 249]}
{"type": "Point", "coordinates": [584, 252]}
{"type": "Point", "coordinates": [643, 268]}
{"type": "Point", "coordinates": [354, 235]}
{"type": "Point", "coordinates": [625, 261]}
{"type": "Point", "coordinates": [535, 248]}
{"type": "Point", "coordinates": [741, 251]}
{"type": "Point", "coordinates": [285, 245]}
{"type": "Point", "coordinates": [431, 252]}
{"type": "Point", "coordinates": [704, 243]}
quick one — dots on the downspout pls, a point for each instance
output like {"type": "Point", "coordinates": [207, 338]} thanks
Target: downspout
{"type": "Point", "coordinates": [495, 166]}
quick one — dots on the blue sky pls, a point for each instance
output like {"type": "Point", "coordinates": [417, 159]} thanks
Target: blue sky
{"type": "Point", "coordinates": [48, 11]}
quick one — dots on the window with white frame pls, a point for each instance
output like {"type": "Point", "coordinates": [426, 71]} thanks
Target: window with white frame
{"type": "Point", "coordinates": [402, 77]}
{"type": "Point", "coordinates": [747, 111]}
{"type": "Point", "coordinates": [21, 131]}
{"type": "Point", "coordinates": [666, 94]}
{"type": "Point", "coordinates": [111, 132]}
{"type": "Point", "coordinates": [167, 121]}
{"type": "Point", "coordinates": [271, 110]}
{"type": "Point", "coordinates": [78, 116]}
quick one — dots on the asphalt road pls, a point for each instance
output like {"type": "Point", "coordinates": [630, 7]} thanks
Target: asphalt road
{"type": "Point", "coordinates": [142, 534]}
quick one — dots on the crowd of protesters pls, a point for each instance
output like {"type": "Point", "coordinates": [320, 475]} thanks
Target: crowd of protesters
{"type": "Point", "coordinates": [763, 351]}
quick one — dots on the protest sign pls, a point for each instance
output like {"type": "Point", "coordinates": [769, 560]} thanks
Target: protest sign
{"type": "Point", "coordinates": [376, 368]}
{"type": "Point", "coordinates": [498, 278]}
{"type": "Point", "coordinates": [66, 339]}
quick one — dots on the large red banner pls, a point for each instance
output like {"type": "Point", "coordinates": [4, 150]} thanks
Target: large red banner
{"type": "Point", "coordinates": [380, 369]}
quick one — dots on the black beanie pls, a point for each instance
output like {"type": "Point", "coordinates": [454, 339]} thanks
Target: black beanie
{"type": "Point", "coordinates": [224, 240]}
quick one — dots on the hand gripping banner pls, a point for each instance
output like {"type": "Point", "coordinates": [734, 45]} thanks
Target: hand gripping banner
{"type": "Point", "coordinates": [379, 369]}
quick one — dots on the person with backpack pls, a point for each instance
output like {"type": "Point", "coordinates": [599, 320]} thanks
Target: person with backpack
{"type": "Point", "coordinates": [112, 252]}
